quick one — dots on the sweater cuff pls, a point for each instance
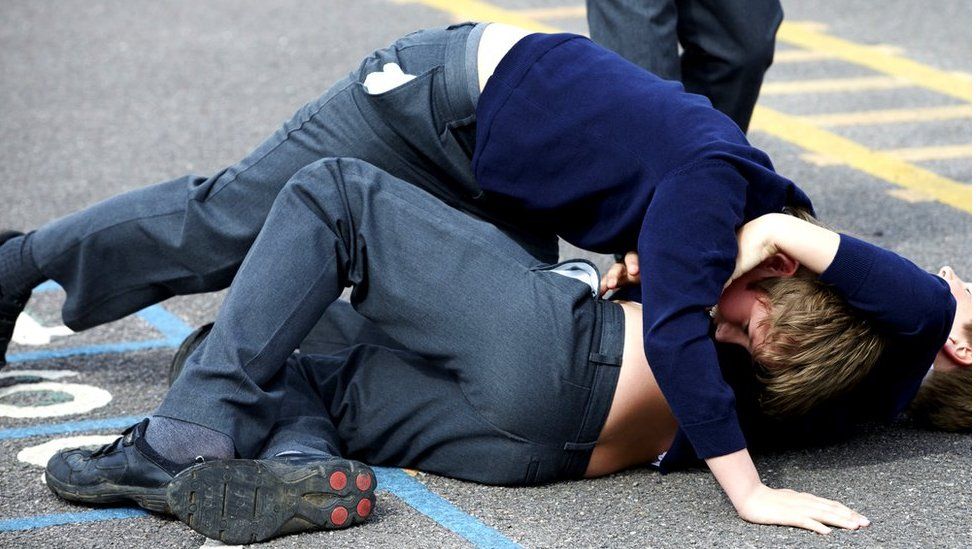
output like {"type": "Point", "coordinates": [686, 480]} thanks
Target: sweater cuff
{"type": "Point", "coordinates": [850, 266]}
{"type": "Point", "coordinates": [716, 438]}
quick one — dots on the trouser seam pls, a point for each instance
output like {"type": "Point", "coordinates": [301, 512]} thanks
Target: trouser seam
{"type": "Point", "coordinates": [280, 143]}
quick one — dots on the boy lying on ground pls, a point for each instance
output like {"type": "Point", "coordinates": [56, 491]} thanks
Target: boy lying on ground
{"type": "Point", "coordinates": [515, 374]}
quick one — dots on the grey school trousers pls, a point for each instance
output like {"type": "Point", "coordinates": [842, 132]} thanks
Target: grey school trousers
{"type": "Point", "coordinates": [189, 235]}
{"type": "Point", "coordinates": [481, 364]}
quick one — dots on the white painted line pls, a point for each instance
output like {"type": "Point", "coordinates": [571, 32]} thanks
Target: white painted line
{"type": "Point", "coordinates": [86, 398]}
{"type": "Point", "coordinates": [28, 331]}
{"type": "Point", "coordinates": [41, 453]}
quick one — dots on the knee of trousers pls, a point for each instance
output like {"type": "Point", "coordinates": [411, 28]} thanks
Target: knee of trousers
{"type": "Point", "coordinates": [326, 184]}
{"type": "Point", "coordinates": [344, 188]}
{"type": "Point", "coordinates": [754, 51]}
{"type": "Point", "coordinates": [754, 58]}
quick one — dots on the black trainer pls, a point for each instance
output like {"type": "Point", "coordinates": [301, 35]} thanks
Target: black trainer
{"type": "Point", "coordinates": [125, 470]}
{"type": "Point", "coordinates": [240, 501]}
{"type": "Point", "coordinates": [190, 344]}
{"type": "Point", "coordinates": [10, 308]}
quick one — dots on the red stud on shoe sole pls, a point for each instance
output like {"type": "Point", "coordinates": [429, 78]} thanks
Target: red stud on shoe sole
{"type": "Point", "coordinates": [364, 507]}
{"type": "Point", "coordinates": [339, 516]}
{"type": "Point", "coordinates": [363, 482]}
{"type": "Point", "coordinates": [337, 480]}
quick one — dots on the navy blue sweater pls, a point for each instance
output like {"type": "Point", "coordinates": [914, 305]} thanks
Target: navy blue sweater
{"type": "Point", "coordinates": [612, 159]}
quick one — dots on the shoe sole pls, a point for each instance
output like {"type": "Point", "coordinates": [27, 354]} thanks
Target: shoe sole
{"type": "Point", "coordinates": [151, 499]}
{"type": "Point", "coordinates": [244, 501]}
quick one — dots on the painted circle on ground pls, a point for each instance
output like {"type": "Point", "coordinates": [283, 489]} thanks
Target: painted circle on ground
{"type": "Point", "coordinates": [86, 399]}
{"type": "Point", "coordinates": [41, 453]}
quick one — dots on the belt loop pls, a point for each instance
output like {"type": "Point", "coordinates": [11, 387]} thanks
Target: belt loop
{"type": "Point", "coordinates": [609, 360]}
{"type": "Point", "coordinates": [610, 350]}
{"type": "Point", "coordinates": [577, 446]}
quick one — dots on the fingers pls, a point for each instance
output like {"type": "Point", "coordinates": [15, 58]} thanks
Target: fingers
{"type": "Point", "coordinates": [621, 274]}
{"type": "Point", "coordinates": [611, 280]}
{"type": "Point", "coordinates": [810, 524]}
{"type": "Point", "coordinates": [837, 508]}
{"type": "Point", "coordinates": [825, 512]}
{"type": "Point", "coordinates": [802, 510]}
{"type": "Point", "coordinates": [633, 266]}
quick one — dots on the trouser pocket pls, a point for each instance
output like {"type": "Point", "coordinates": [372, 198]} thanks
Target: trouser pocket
{"type": "Point", "coordinates": [412, 119]}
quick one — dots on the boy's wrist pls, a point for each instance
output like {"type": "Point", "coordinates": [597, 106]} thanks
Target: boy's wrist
{"type": "Point", "coordinates": [778, 228]}
{"type": "Point", "coordinates": [736, 474]}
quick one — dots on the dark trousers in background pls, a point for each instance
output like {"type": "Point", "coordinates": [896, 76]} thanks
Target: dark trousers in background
{"type": "Point", "coordinates": [728, 44]}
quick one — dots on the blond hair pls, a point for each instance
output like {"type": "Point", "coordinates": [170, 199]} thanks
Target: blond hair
{"type": "Point", "coordinates": [945, 400]}
{"type": "Point", "coordinates": [816, 347]}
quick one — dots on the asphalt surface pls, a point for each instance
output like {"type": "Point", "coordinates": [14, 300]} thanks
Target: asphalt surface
{"type": "Point", "coordinates": [100, 97]}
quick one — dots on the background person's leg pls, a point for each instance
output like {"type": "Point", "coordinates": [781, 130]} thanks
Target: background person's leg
{"type": "Point", "coordinates": [645, 32]}
{"type": "Point", "coordinates": [728, 45]}
{"type": "Point", "coordinates": [344, 222]}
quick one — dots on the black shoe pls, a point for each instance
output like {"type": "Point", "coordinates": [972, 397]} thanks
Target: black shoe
{"type": "Point", "coordinates": [241, 501]}
{"type": "Point", "coordinates": [10, 308]}
{"type": "Point", "coordinates": [125, 470]}
{"type": "Point", "coordinates": [189, 345]}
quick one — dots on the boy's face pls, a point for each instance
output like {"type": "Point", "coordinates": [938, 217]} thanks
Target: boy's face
{"type": "Point", "coordinates": [964, 310]}
{"type": "Point", "coordinates": [740, 312]}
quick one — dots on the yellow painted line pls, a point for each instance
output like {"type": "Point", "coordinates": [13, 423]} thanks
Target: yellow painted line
{"type": "Point", "coordinates": [482, 11]}
{"type": "Point", "coordinates": [934, 152]}
{"type": "Point", "coordinates": [803, 56]}
{"type": "Point", "coordinates": [558, 12]}
{"type": "Point", "coordinates": [807, 37]}
{"type": "Point", "coordinates": [891, 116]}
{"type": "Point", "coordinates": [811, 26]}
{"type": "Point", "coordinates": [908, 154]}
{"type": "Point", "coordinates": [908, 195]}
{"type": "Point", "coordinates": [788, 128]}
{"type": "Point", "coordinates": [894, 170]}
{"type": "Point", "coordinates": [834, 85]}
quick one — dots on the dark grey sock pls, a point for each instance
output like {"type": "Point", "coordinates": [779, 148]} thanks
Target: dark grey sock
{"type": "Point", "coordinates": [18, 273]}
{"type": "Point", "coordinates": [182, 441]}
{"type": "Point", "coordinates": [285, 449]}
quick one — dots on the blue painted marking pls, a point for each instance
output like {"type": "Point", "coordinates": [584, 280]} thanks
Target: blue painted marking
{"type": "Point", "coordinates": [48, 286]}
{"type": "Point", "coordinates": [99, 349]}
{"type": "Point", "coordinates": [71, 427]}
{"type": "Point", "coordinates": [43, 521]}
{"type": "Point", "coordinates": [416, 495]}
{"type": "Point", "coordinates": [171, 326]}
{"type": "Point", "coordinates": [166, 322]}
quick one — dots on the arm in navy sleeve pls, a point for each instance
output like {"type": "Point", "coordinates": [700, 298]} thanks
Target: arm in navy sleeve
{"type": "Point", "coordinates": [687, 248]}
{"type": "Point", "coordinates": [902, 299]}
{"type": "Point", "coordinates": [915, 309]}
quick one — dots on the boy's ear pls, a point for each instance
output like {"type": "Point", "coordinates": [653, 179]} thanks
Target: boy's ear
{"type": "Point", "coordinates": [779, 264]}
{"type": "Point", "coordinates": [959, 351]}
